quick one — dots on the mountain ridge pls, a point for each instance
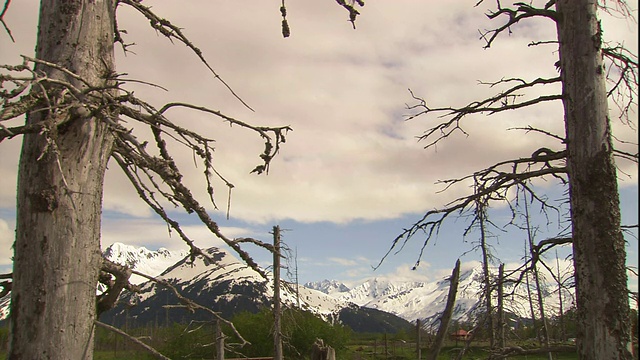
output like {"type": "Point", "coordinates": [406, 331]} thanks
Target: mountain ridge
{"type": "Point", "coordinates": [228, 284]}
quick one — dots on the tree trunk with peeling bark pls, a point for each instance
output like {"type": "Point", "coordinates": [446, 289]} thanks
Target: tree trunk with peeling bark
{"type": "Point", "coordinates": [598, 244]}
{"type": "Point", "coordinates": [60, 183]}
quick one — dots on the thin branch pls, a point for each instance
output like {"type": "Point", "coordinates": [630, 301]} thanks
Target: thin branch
{"type": "Point", "coordinates": [503, 101]}
{"type": "Point", "coordinates": [623, 65]}
{"type": "Point", "coordinates": [495, 183]}
{"type": "Point", "coordinates": [512, 351]}
{"type": "Point", "coordinates": [190, 305]}
{"type": "Point", "coordinates": [151, 350]}
{"type": "Point", "coordinates": [4, 24]}
{"type": "Point", "coordinates": [166, 28]}
{"type": "Point", "coordinates": [520, 12]}
{"type": "Point", "coordinates": [353, 13]}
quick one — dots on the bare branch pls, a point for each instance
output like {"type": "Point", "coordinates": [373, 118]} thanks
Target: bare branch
{"type": "Point", "coordinates": [520, 12]}
{"type": "Point", "coordinates": [189, 304]}
{"type": "Point", "coordinates": [494, 184]}
{"type": "Point", "coordinates": [151, 350]}
{"type": "Point", "coordinates": [516, 350]}
{"type": "Point", "coordinates": [166, 28]}
{"type": "Point", "coordinates": [622, 74]}
{"type": "Point", "coordinates": [503, 101]}
{"type": "Point", "coordinates": [4, 24]}
{"type": "Point", "coordinates": [285, 25]}
{"type": "Point", "coordinates": [353, 13]}
{"type": "Point", "coordinates": [108, 299]}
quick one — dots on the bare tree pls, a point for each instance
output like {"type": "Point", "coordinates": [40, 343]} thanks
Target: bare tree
{"type": "Point", "coordinates": [583, 159]}
{"type": "Point", "coordinates": [74, 102]}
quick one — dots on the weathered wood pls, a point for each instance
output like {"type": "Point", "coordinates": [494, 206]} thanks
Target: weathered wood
{"type": "Point", "coordinates": [60, 183]}
{"type": "Point", "coordinates": [446, 315]}
{"type": "Point", "coordinates": [598, 243]}
{"type": "Point", "coordinates": [321, 352]}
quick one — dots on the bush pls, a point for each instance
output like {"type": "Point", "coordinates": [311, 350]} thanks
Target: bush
{"type": "Point", "coordinates": [300, 330]}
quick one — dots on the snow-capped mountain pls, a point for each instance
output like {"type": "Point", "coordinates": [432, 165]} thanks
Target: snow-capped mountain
{"type": "Point", "coordinates": [227, 286]}
{"type": "Point", "coordinates": [143, 260]}
{"type": "Point", "coordinates": [221, 281]}
{"type": "Point", "coordinates": [329, 287]}
{"type": "Point", "coordinates": [413, 300]}
{"type": "Point", "coordinates": [140, 259]}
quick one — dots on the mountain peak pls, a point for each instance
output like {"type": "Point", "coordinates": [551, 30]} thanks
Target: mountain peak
{"type": "Point", "coordinates": [141, 259]}
{"type": "Point", "coordinates": [329, 287]}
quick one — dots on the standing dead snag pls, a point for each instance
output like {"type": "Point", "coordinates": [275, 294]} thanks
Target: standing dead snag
{"type": "Point", "coordinates": [445, 318]}
{"type": "Point", "coordinates": [60, 182]}
{"type": "Point", "coordinates": [598, 243]}
{"type": "Point", "coordinates": [583, 159]}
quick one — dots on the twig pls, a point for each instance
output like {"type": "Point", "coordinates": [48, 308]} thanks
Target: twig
{"type": "Point", "coordinates": [4, 11]}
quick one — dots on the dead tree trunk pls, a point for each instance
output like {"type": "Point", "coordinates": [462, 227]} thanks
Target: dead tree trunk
{"type": "Point", "coordinates": [219, 341]}
{"type": "Point", "coordinates": [60, 180]}
{"type": "Point", "coordinates": [598, 244]}
{"type": "Point", "coordinates": [321, 352]}
{"type": "Point", "coordinates": [529, 295]}
{"type": "Point", "coordinates": [446, 315]}
{"type": "Point", "coordinates": [480, 208]}
{"type": "Point", "coordinates": [501, 322]}
{"type": "Point", "coordinates": [277, 312]}
{"type": "Point", "coordinates": [419, 339]}
{"type": "Point", "coordinates": [560, 300]}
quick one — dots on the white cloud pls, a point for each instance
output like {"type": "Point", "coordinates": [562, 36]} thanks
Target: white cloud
{"type": "Point", "coordinates": [7, 237]}
{"type": "Point", "coordinates": [154, 233]}
{"type": "Point", "coordinates": [343, 262]}
{"type": "Point", "coordinates": [351, 155]}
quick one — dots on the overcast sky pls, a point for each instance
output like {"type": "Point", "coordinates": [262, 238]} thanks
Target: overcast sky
{"type": "Point", "coordinates": [352, 174]}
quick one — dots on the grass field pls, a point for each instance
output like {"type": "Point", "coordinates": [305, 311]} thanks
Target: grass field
{"type": "Point", "coordinates": [359, 352]}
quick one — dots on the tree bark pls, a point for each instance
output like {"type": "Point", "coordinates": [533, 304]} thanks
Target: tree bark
{"type": "Point", "coordinates": [598, 244]}
{"type": "Point", "coordinates": [60, 181]}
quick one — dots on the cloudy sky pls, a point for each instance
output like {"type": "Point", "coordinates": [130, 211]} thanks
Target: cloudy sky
{"type": "Point", "coordinates": [352, 174]}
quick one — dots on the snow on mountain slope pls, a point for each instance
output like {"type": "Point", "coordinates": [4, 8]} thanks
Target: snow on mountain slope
{"type": "Point", "coordinates": [224, 281]}
{"type": "Point", "coordinates": [413, 300]}
{"type": "Point", "coordinates": [143, 260]}
{"type": "Point", "coordinates": [222, 269]}
{"type": "Point", "coordinates": [140, 259]}
{"type": "Point", "coordinates": [329, 287]}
